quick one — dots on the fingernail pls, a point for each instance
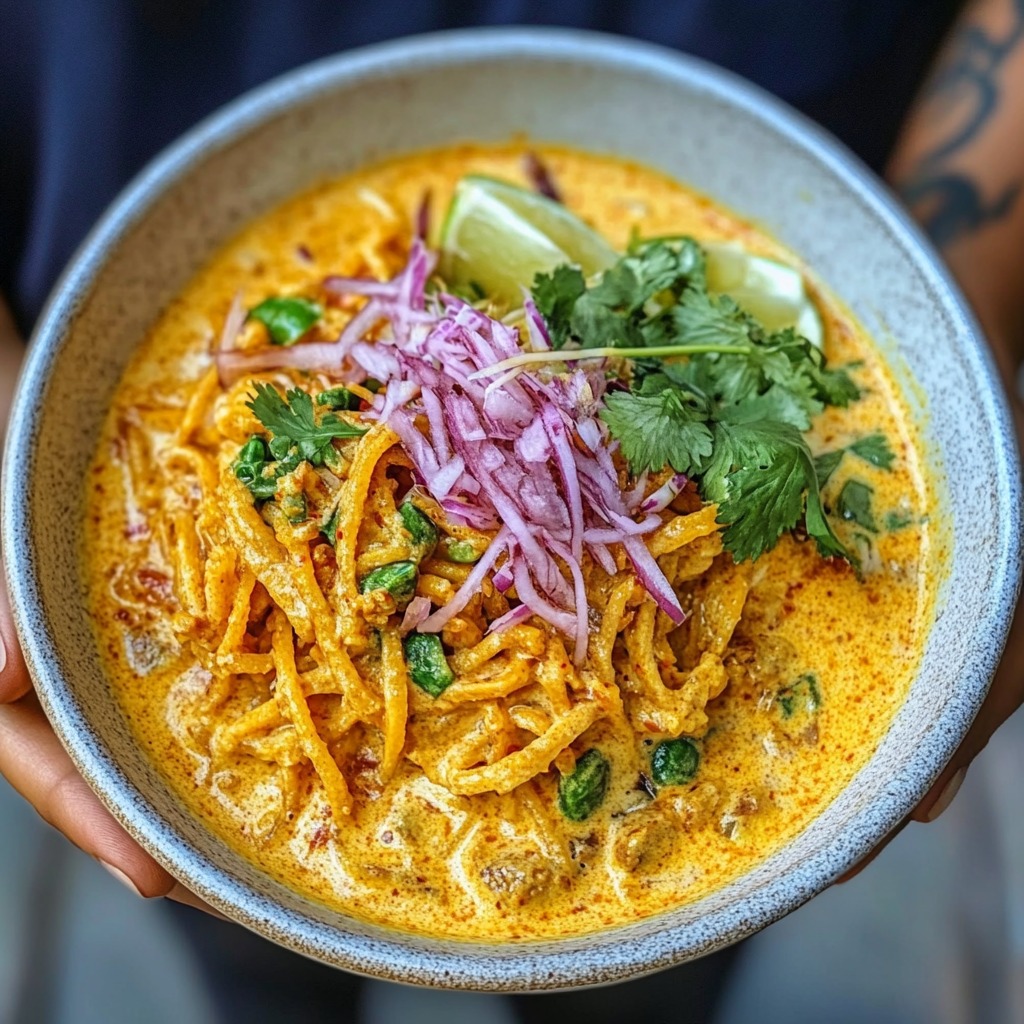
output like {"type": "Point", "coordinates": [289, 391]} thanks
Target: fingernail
{"type": "Point", "coordinates": [121, 877]}
{"type": "Point", "coordinates": [945, 798]}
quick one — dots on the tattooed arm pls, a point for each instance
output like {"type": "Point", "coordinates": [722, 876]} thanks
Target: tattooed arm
{"type": "Point", "coordinates": [960, 167]}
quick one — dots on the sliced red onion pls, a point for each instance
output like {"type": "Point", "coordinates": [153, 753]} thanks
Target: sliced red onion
{"type": "Point", "coordinates": [416, 613]}
{"type": "Point", "coordinates": [423, 216]}
{"type": "Point", "coordinates": [513, 617]}
{"type": "Point", "coordinates": [316, 355]}
{"type": "Point", "coordinates": [379, 361]}
{"type": "Point", "coordinates": [503, 578]}
{"type": "Point", "coordinates": [540, 176]}
{"type": "Point", "coordinates": [525, 452]}
{"type": "Point", "coordinates": [233, 323]}
{"type": "Point", "coordinates": [536, 326]}
{"type": "Point", "coordinates": [600, 553]}
{"type": "Point", "coordinates": [562, 620]}
{"type": "Point", "coordinates": [566, 462]}
{"type": "Point", "coordinates": [653, 579]}
{"type": "Point", "coordinates": [664, 495]}
{"type": "Point", "coordinates": [368, 286]}
{"type": "Point", "coordinates": [582, 605]}
{"type": "Point", "coordinates": [471, 515]}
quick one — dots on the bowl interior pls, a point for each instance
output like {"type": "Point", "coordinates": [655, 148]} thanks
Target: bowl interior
{"type": "Point", "coordinates": [702, 127]}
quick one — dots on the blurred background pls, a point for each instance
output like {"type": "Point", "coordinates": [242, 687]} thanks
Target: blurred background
{"type": "Point", "coordinates": [931, 933]}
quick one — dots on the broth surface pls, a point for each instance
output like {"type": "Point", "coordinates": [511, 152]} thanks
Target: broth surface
{"type": "Point", "coordinates": [838, 652]}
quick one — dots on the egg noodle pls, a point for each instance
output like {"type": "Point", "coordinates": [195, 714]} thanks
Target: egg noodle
{"type": "Point", "coordinates": [271, 613]}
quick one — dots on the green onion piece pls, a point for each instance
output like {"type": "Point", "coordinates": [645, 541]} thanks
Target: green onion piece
{"type": "Point", "coordinates": [420, 527]}
{"type": "Point", "coordinates": [800, 696]}
{"type": "Point", "coordinates": [330, 528]}
{"type": "Point", "coordinates": [295, 508]}
{"type": "Point", "coordinates": [250, 468]}
{"type": "Point", "coordinates": [674, 762]}
{"type": "Point", "coordinates": [339, 398]}
{"type": "Point", "coordinates": [397, 578]}
{"type": "Point", "coordinates": [461, 551]}
{"type": "Point", "coordinates": [428, 667]}
{"type": "Point", "coordinates": [372, 385]}
{"type": "Point", "coordinates": [582, 792]}
{"type": "Point", "coordinates": [254, 451]}
{"type": "Point", "coordinates": [286, 319]}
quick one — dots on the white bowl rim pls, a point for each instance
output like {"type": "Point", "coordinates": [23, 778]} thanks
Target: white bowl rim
{"type": "Point", "coordinates": [389, 954]}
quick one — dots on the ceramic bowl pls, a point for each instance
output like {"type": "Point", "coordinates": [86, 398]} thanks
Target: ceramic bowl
{"type": "Point", "coordinates": [702, 126]}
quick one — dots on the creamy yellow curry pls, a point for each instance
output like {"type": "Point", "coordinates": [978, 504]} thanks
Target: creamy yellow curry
{"type": "Point", "coordinates": [507, 612]}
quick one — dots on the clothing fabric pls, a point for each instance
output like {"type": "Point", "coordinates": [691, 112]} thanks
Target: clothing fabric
{"type": "Point", "coordinates": [92, 89]}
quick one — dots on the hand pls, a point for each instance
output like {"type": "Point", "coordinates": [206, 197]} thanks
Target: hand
{"type": "Point", "coordinates": [32, 758]}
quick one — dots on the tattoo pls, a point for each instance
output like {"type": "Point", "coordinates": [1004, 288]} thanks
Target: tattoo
{"type": "Point", "coordinates": [960, 101]}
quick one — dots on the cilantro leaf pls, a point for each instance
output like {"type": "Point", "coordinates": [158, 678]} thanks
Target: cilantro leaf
{"type": "Point", "coordinates": [658, 430]}
{"type": "Point", "coordinates": [854, 504]}
{"type": "Point", "coordinates": [286, 318]}
{"type": "Point", "coordinates": [704, 319]}
{"type": "Point", "coordinates": [874, 449]}
{"type": "Point", "coordinates": [765, 495]}
{"type": "Point", "coordinates": [719, 398]}
{"type": "Point", "coordinates": [555, 295]}
{"type": "Point", "coordinates": [292, 422]}
{"type": "Point", "coordinates": [827, 463]}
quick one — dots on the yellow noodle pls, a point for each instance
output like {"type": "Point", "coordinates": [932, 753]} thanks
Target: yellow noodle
{"type": "Point", "coordinates": [395, 684]}
{"type": "Point", "coordinates": [522, 639]}
{"type": "Point", "coordinates": [292, 702]}
{"type": "Point", "coordinates": [199, 405]}
{"type": "Point", "coordinates": [513, 770]}
{"type": "Point", "coordinates": [189, 574]}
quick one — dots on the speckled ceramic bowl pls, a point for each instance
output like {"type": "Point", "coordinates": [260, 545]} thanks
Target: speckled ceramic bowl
{"type": "Point", "coordinates": [704, 127]}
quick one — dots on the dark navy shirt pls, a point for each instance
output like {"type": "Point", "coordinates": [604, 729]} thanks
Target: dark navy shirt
{"type": "Point", "coordinates": [91, 89]}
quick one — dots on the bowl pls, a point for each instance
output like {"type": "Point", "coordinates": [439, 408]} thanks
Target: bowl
{"type": "Point", "coordinates": [704, 127]}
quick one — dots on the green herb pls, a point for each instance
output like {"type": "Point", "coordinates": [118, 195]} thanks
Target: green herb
{"type": "Point", "coordinates": [428, 667]}
{"type": "Point", "coordinates": [874, 448]}
{"type": "Point", "coordinates": [253, 469]}
{"type": "Point", "coordinates": [854, 504]}
{"type": "Point", "coordinates": [674, 762]}
{"type": "Point", "coordinates": [712, 393]}
{"type": "Point", "coordinates": [295, 508]}
{"type": "Point", "coordinates": [339, 398]}
{"type": "Point", "coordinates": [329, 529]}
{"type": "Point", "coordinates": [461, 551]}
{"type": "Point", "coordinates": [802, 696]}
{"type": "Point", "coordinates": [286, 319]}
{"type": "Point", "coordinates": [293, 424]}
{"type": "Point", "coordinates": [897, 521]}
{"type": "Point", "coordinates": [581, 792]}
{"type": "Point", "coordinates": [421, 528]}
{"type": "Point", "coordinates": [397, 578]}
{"type": "Point", "coordinates": [372, 385]}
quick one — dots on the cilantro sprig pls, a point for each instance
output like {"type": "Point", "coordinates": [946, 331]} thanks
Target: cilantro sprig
{"type": "Point", "coordinates": [711, 392]}
{"type": "Point", "coordinates": [293, 424]}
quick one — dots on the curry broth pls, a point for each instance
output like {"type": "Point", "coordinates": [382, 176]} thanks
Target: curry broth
{"type": "Point", "coordinates": [414, 855]}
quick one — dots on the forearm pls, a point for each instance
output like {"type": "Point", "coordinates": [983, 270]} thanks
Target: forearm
{"type": "Point", "coordinates": [11, 353]}
{"type": "Point", "coordinates": [959, 165]}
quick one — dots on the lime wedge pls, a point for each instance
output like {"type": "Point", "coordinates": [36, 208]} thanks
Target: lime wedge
{"type": "Point", "coordinates": [772, 292]}
{"type": "Point", "coordinates": [498, 236]}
